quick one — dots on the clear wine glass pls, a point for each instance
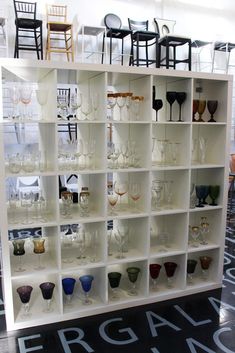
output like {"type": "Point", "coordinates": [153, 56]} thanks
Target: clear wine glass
{"type": "Point", "coordinates": [47, 289]}
{"type": "Point", "coordinates": [75, 103]}
{"type": "Point", "coordinates": [15, 99]}
{"type": "Point", "coordinates": [67, 202]}
{"type": "Point", "coordinates": [62, 104]}
{"type": "Point", "coordinates": [13, 203]}
{"type": "Point", "coordinates": [86, 107]}
{"type": "Point", "coordinates": [174, 151]}
{"type": "Point", "coordinates": [121, 101]}
{"type": "Point", "coordinates": [111, 102]}
{"type": "Point", "coordinates": [42, 97]}
{"type": "Point", "coordinates": [133, 273]}
{"type": "Point", "coordinates": [68, 284]}
{"type": "Point", "coordinates": [157, 193]}
{"type": "Point", "coordinates": [95, 100]}
{"type": "Point", "coordinates": [80, 243]}
{"type": "Point", "coordinates": [168, 191]}
{"type": "Point", "coordinates": [170, 97]}
{"type": "Point", "coordinates": [202, 149]}
{"type": "Point", "coordinates": [180, 98]}
{"type": "Point", "coordinates": [136, 105]}
{"type": "Point", "coordinates": [195, 234]}
{"type": "Point", "coordinates": [162, 148]}
{"type": "Point", "coordinates": [128, 103]}
{"type": "Point", "coordinates": [25, 295]}
{"type": "Point", "coordinates": [205, 229]}
{"type": "Point", "coordinates": [120, 237]}
{"type": "Point", "coordinates": [26, 203]}
{"type": "Point", "coordinates": [86, 282]}
{"type": "Point", "coordinates": [114, 281]}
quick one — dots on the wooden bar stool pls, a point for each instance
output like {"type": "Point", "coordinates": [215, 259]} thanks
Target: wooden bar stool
{"type": "Point", "coordinates": [59, 32]}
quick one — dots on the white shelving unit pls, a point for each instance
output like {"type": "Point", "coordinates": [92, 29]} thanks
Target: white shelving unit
{"type": "Point", "coordinates": [148, 222]}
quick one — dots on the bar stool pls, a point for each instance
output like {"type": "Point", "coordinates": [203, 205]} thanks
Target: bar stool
{"type": "Point", "coordinates": [141, 37]}
{"type": "Point", "coordinates": [27, 27]}
{"type": "Point", "coordinates": [59, 32]}
{"type": "Point", "coordinates": [3, 34]}
{"type": "Point", "coordinates": [168, 40]}
{"type": "Point", "coordinates": [91, 50]}
{"type": "Point", "coordinates": [113, 24]}
{"type": "Point", "coordinates": [198, 46]}
{"type": "Point", "coordinates": [222, 47]}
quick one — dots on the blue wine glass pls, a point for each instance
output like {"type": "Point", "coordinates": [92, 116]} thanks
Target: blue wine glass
{"type": "Point", "coordinates": [86, 282]}
{"type": "Point", "coordinates": [200, 192]}
{"type": "Point", "coordinates": [206, 193]}
{"type": "Point", "coordinates": [68, 287]}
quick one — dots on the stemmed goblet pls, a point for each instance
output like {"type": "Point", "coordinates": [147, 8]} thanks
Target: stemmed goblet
{"type": "Point", "coordinates": [39, 249]}
{"type": "Point", "coordinates": [42, 97]}
{"type": "Point", "coordinates": [135, 194]}
{"type": "Point", "coordinates": [212, 107]}
{"type": "Point", "coordinates": [157, 105]}
{"type": "Point", "coordinates": [205, 262]}
{"type": "Point", "coordinates": [195, 108]}
{"type": "Point", "coordinates": [201, 192]}
{"type": "Point", "coordinates": [47, 289]}
{"type": "Point", "coordinates": [195, 233]}
{"type": "Point", "coordinates": [121, 237]}
{"type": "Point", "coordinates": [68, 284]}
{"type": "Point", "coordinates": [111, 102]}
{"type": "Point", "coordinates": [25, 98]}
{"type": "Point", "coordinates": [121, 101]}
{"type": "Point", "coordinates": [15, 99]}
{"type": "Point", "coordinates": [202, 149]}
{"type": "Point", "coordinates": [201, 109]}
{"type": "Point", "coordinates": [154, 270]}
{"type": "Point", "coordinates": [19, 251]}
{"type": "Point", "coordinates": [75, 102]}
{"type": "Point", "coordinates": [121, 189]}
{"type": "Point", "coordinates": [170, 268]}
{"type": "Point", "coordinates": [114, 281]}
{"type": "Point", "coordinates": [25, 295]}
{"type": "Point", "coordinates": [86, 282]}
{"type": "Point", "coordinates": [180, 98]}
{"type": "Point", "coordinates": [191, 266]}
{"type": "Point", "coordinates": [204, 228]}
{"type": "Point", "coordinates": [26, 202]}
{"type": "Point", "coordinates": [214, 191]}
{"type": "Point", "coordinates": [133, 273]}
{"type": "Point", "coordinates": [86, 107]}
{"type": "Point", "coordinates": [112, 199]}
{"type": "Point", "coordinates": [95, 101]}
{"type": "Point", "coordinates": [170, 97]}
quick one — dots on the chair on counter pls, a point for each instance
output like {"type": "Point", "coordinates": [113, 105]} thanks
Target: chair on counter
{"type": "Point", "coordinates": [114, 31]}
{"type": "Point", "coordinates": [142, 38]}
{"type": "Point", "coordinates": [28, 29]}
{"type": "Point", "coordinates": [59, 32]}
{"type": "Point", "coordinates": [222, 47]}
{"type": "Point", "coordinates": [169, 40]}
{"type": "Point", "coordinates": [198, 47]}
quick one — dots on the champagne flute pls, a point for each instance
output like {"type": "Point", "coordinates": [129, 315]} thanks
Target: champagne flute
{"type": "Point", "coordinates": [47, 289]}
{"type": "Point", "coordinates": [25, 295]}
{"type": "Point", "coordinates": [171, 97]}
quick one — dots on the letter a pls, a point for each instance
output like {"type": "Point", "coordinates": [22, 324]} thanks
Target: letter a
{"type": "Point", "coordinates": [163, 322]}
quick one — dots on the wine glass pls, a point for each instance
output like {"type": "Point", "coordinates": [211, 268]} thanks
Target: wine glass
{"type": "Point", "coordinates": [174, 151]}
{"type": "Point", "coordinates": [202, 149]}
{"type": "Point", "coordinates": [25, 295]}
{"type": "Point", "coordinates": [121, 101]}
{"type": "Point", "coordinates": [214, 191]}
{"type": "Point", "coordinates": [75, 103]}
{"type": "Point", "coordinates": [212, 106]}
{"type": "Point", "coordinates": [157, 105]}
{"type": "Point", "coordinates": [170, 97]}
{"type": "Point", "coordinates": [42, 97]}
{"type": "Point", "coordinates": [168, 190]}
{"type": "Point", "coordinates": [154, 270]}
{"type": "Point", "coordinates": [133, 273]}
{"type": "Point", "coordinates": [162, 148]}
{"type": "Point", "coordinates": [120, 237]}
{"type": "Point", "coordinates": [157, 191]}
{"type": "Point", "coordinates": [15, 99]}
{"type": "Point", "coordinates": [114, 281]}
{"type": "Point", "coordinates": [67, 202]}
{"type": "Point", "coordinates": [95, 100]}
{"type": "Point", "coordinates": [19, 251]}
{"type": "Point", "coordinates": [191, 266]}
{"type": "Point", "coordinates": [86, 107]}
{"type": "Point", "coordinates": [136, 105]}
{"type": "Point", "coordinates": [39, 248]}
{"type": "Point", "coordinates": [180, 98]}
{"type": "Point", "coordinates": [204, 228]}
{"type": "Point", "coordinates": [13, 202]}
{"type": "Point", "coordinates": [201, 109]}
{"type": "Point", "coordinates": [68, 284]}
{"type": "Point", "coordinates": [80, 243]}
{"type": "Point", "coordinates": [200, 193]}
{"type": "Point", "coordinates": [112, 199]}
{"type": "Point", "coordinates": [111, 102]}
{"type": "Point", "coordinates": [26, 202]}
{"type": "Point", "coordinates": [195, 234]}
{"type": "Point", "coordinates": [121, 188]}
{"type": "Point", "coordinates": [205, 262]}
{"type": "Point", "coordinates": [128, 103]}
{"type": "Point", "coordinates": [134, 191]}
{"type": "Point", "coordinates": [170, 268]}
{"type": "Point", "coordinates": [25, 98]}
{"type": "Point", "coordinates": [86, 282]}
{"type": "Point", "coordinates": [47, 289]}
{"type": "Point", "coordinates": [195, 108]}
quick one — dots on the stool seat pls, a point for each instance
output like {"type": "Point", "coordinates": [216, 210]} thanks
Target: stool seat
{"type": "Point", "coordinates": [142, 36]}
{"type": "Point", "coordinates": [224, 46]}
{"type": "Point", "coordinates": [118, 33]}
{"type": "Point", "coordinates": [60, 27]}
{"type": "Point", "coordinates": [197, 43]}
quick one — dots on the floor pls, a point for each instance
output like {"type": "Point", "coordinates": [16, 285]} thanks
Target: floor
{"type": "Point", "coordinates": [194, 324]}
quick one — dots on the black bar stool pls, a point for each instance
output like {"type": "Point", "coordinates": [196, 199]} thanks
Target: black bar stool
{"type": "Point", "coordinates": [141, 37]}
{"type": "Point", "coordinates": [27, 28]}
{"type": "Point", "coordinates": [170, 41]}
{"type": "Point", "coordinates": [113, 24]}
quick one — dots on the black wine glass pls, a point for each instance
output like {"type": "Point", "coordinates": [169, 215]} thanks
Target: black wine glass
{"type": "Point", "coordinates": [200, 193]}
{"type": "Point", "coordinates": [214, 191]}
{"type": "Point", "coordinates": [206, 193]}
{"type": "Point", "coordinates": [171, 97]}
{"type": "Point", "coordinates": [157, 105]}
{"type": "Point", "coordinates": [212, 106]}
{"type": "Point", "coordinates": [180, 98]}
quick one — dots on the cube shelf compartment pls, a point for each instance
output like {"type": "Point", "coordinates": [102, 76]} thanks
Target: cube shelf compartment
{"type": "Point", "coordinates": [108, 186]}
